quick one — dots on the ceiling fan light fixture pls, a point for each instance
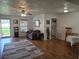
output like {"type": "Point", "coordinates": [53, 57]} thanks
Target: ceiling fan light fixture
{"type": "Point", "coordinates": [66, 11]}
{"type": "Point", "coordinates": [23, 14]}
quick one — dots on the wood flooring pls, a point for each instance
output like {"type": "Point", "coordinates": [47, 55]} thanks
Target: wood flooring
{"type": "Point", "coordinates": [53, 49]}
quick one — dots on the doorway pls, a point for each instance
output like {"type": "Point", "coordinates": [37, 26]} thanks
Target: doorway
{"type": "Point", "coordinates": [53, 28]}
{"type": "Point", "coordinates": [5, 27]}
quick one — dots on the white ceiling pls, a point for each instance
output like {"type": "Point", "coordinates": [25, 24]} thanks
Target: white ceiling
{"type": "Point", "coordinates": [12, 7]}
{"type": "Point", "coordinates": [74, 1]}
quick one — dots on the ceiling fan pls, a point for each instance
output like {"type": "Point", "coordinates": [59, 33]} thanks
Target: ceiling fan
{"type": "Point", "coordinates": [24, 11]}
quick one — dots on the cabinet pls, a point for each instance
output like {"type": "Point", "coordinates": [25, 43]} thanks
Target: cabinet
{"type": "Point", "coordinates": [16, 32]}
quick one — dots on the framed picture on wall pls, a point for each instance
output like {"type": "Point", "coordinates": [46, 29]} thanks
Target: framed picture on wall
{"type": "Point", "coordinates": [15, 21]}
{"type": "Point", "coordinates": [37, 23]}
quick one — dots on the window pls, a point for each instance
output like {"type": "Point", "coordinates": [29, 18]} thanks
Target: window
{"type": "Point", "coordinates": [23, 25]}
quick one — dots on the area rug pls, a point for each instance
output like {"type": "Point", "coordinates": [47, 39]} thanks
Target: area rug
{"type": "Point", "coordinates": [23, 49]}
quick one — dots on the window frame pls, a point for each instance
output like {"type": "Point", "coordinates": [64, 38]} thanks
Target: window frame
{"type": "Point", "coordinates": [25, 29]}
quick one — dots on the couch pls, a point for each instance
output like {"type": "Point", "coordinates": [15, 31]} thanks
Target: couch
{"type": "Point", "coordinates": [34, 34]}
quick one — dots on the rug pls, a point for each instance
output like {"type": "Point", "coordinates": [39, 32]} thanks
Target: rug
{"type": "Point", "coordinates": [23, 49]}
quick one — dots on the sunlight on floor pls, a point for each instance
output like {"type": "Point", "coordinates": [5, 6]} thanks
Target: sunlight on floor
{"type": "Point", "coordinates": [4, 41]}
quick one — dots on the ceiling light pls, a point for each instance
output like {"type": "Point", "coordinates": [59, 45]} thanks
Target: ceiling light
{"type": "Point", "coordinates": [23, 13]}
{"type": "Point", "coordinates": [66, 11]}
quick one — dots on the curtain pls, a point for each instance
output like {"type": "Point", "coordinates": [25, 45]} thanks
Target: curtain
{"type": "Point", "coordinates": [0, 29]}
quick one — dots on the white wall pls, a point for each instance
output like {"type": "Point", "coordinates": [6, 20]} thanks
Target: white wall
{"type": "Point", "coordinates": [68, 20]}
{"type": "Point", "coordinates": [40, 17]}
{"type": "Point", "coordinates": [43, 18]}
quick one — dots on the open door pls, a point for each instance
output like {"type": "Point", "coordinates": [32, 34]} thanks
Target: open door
{"type": "Point", "coordinates": [5, 28]}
